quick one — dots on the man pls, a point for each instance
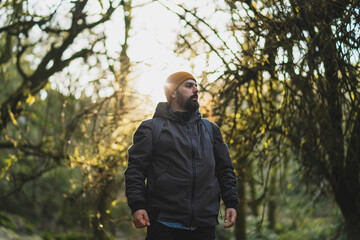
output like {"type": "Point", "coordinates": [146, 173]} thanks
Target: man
{"type": "Point", "coordinates": [186, 167]}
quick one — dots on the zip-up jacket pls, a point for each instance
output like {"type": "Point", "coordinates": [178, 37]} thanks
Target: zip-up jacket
{"type": "Point", "coordinates": [181, 175]}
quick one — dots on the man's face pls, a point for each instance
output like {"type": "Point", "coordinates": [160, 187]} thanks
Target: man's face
{"type": "Point", "coordinates": [187, 95]}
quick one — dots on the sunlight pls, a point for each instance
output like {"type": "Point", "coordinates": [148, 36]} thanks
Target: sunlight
{"type": "Point", "coordinates": [152, 49]}
{"type": "Point", "coordinates": [153, 38]}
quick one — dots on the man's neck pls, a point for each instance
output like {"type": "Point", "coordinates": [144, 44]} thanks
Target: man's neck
{"type": "Point", "coordinates": [184, 116]}
{"type": "Point", "coordinates": [176, 108]}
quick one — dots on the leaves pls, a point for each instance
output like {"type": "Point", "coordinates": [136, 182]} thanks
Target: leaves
{"type": "Point", "coordinates": [8, 163]}
{"type": "Point", "coordinates": [30, 100]}
{"type": "Point", "coordinates": [288, 96]}
{"type": "Point", "coordinates": [66, 160]}
{"type": "Point", "coordinates": [12, 117]}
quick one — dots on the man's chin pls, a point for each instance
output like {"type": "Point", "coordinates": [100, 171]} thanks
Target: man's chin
{"type": "Point", "coordinates": [192, 106]}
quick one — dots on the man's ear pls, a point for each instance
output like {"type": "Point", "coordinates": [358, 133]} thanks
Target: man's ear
{"type": "Point", "coordinates": [173, 95]}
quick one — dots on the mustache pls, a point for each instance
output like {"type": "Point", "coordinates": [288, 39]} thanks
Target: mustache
{"type": "Point", "coordinates": [195, 95]}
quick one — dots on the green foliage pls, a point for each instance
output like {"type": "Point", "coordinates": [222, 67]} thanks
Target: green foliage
{"type": "Point", "coordinates": [286, 90]}
{"type": "Point", "coordinates": [6, 222]}
{"type": "Point", "coordinates": [9, 234]}
{"type": "Point", "coordinates": [73, 236]}
{"type": "Point", "coordinates": [286, 95]}
{"type": "Point", "coordinates": [14, 227]}
{"type": "Point", "coordinates": [62, 153]}
{"type": "Point", "coordinates": [299, 217]}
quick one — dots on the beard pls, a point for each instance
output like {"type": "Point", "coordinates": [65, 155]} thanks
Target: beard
{"type": "Point", "coordinates": [189, 104]}
{"type": "Point", "coordinates": [192, 104]}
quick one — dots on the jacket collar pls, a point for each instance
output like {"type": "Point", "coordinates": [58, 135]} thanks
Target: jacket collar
{"type": "Point", "coordinates": [163, 110]}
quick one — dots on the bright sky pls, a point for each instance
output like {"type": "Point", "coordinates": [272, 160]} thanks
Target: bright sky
{"type": "Point", "coordinates": [151, 48]}
{"type": "Point", "coordinates": [153, 40]}
{"type": "Point", "coordinates": [152, 43]}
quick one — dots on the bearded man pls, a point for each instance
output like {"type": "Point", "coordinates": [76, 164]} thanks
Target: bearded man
{"type": "Point", "coordinates": [178, 169]}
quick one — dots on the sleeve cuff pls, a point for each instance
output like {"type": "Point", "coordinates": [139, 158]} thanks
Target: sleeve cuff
{"type": "Point", "coordinates": [136, 206]}
{"type": "Point", "coordinates": [231, 205]}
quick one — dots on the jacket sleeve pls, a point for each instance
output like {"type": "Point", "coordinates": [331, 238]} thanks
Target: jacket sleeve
{"type": "Point", "coordinates": [225, 171]}
{"type": "Point", "coordinates": [139, 160]}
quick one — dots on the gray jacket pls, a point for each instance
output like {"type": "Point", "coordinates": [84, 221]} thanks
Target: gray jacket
{"type": "Point", "coordinates": [185, 173]}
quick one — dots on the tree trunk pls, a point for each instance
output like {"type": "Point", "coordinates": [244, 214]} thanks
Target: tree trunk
{"type": "Point", "coordinates": [100, 222]}
{"type": "Point", "coordinates": [272, 200]}
{"type": "Point", "coordinates": [344, 170]}
{"type": "Point", "coordinates": [349, 203]}
{"type": "Point", "coordinates": [240, 225]}
{"type": "Point", "coordinates": [352, 226]}
{"type": "Point", "coordinates": [254, 201]}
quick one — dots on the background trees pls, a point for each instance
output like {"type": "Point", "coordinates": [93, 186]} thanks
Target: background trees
{"type": "Point", "coordinates": [65, 115]}
{"type": "Point", "coordinates": [281, 78]}
{"type": "Point", "coordinates": [288, 79]}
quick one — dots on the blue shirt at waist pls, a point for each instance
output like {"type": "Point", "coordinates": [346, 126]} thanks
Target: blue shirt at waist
{"type": "Point", "coordinates": [176, 225]}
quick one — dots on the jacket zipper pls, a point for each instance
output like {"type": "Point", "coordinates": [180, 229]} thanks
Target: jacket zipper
{"type": "Point", "coordinates": [194, 177]}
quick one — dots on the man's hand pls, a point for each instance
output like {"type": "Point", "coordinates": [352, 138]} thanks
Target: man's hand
{"type": "Point", "coordinates": [140, 219]}
{"type": "Point", "coordinates": [230, 217]}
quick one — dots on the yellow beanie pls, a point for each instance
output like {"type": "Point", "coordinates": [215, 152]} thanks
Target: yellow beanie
{"type": "Point", "coordinates": [174, 81]}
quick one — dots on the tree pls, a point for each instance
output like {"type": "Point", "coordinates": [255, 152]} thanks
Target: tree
{"type": "Point", "coordinates": [241, 107]}
{"type": "Point", "coordinates": [55, 46]}
{"type": "Point", "coordinates": [65, 128]}
{"type": "Point", "coordinates": [321, 99]}
{"type": "Point", "coordinates": [300, 64]}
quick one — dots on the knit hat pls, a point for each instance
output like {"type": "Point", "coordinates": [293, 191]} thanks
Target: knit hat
{"type": "Point", "coordinates": [174, 81]}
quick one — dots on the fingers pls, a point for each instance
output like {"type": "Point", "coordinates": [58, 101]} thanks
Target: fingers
{"type": "Point", "coordinates": [138, 223]}
{"type": "Point", "coordinates": [230, 217]}
{"type": "Point", "coordinates": [146, 219]}
{"type": "Point", "coordinates": [141, 219]}
{"type": "Point", "coordinates": [227, 213]}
